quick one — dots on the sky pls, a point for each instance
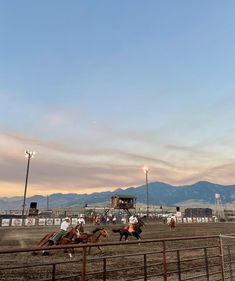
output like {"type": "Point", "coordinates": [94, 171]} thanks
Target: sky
{"type": "Point", "coordinates": [99, 89]}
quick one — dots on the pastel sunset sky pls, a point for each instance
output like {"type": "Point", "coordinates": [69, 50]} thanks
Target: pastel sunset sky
{"type": "Point", "coordinates": [100, 89]}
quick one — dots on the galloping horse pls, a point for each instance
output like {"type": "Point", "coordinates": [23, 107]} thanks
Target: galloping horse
{"type": "Point", "coordinates": [68, 238]}
{"type": "Point", "coordinates": [124, 231]}
{"type": "Point", "coordinates": [93, 237]}
{"type": "Point", "coordinates": [172, 224]}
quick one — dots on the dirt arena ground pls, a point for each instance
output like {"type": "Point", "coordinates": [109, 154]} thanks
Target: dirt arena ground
{"type": "Point", "coordinates": [29, 236]}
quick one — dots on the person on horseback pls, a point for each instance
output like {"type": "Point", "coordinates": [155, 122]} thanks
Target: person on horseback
{"type": "Point", "coordinates": [63, 230]}
{"type": "Point", "coordinates": [132, 222]}
{"type": "Point", "coordinates": [80, 223]}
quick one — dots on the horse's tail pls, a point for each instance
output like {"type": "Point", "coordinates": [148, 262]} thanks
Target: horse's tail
{"type": "Point", "coordinates": [45, 238]}
{"type": "Point", "coordinates": [115, 230]}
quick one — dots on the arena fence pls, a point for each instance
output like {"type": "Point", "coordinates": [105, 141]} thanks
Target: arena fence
{"type": "Point", "coordinates": [184, 259]}
{"type": "Point", "coordinates": [32, 221]}
{"type": "Point", "coordinates": [228, 250]}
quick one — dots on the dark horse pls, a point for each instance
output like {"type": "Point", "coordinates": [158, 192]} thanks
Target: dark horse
{"type": "Point", "coordinates": [124, 231]}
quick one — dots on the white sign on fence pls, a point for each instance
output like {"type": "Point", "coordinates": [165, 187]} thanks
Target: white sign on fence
{"type": "Point", "coordinates": [41, 221]}
{"type": "Point", "coordinates": [16, 222]}
{"type": "Point", "coordinates": [5, 222]}
{"type": "Point", "coordinates": [30, 221]}
{"type": "Point", "coordinates": [57, 221]}
{"type": "Point", "coordinates": [49, 221]}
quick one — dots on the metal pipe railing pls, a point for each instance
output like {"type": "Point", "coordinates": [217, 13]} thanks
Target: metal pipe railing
{"type": "Point", "coordinates": [173, 267]}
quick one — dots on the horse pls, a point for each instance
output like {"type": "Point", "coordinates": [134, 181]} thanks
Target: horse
{"type": "Point", "coordinates": [172, 224]}
{"type": "Point", "coordinates": [68, 238]}
{"type": "Point", "coordinates": [80, 228]}
{"type": "Point", "coordinates": [93, 237]}
{"type": "Point", "coordinates": [125, 232]}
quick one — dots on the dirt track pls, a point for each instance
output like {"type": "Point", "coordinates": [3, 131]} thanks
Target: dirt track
{"type": "Point", "coordinates": [26, 237]}
{"type": "Point", "coordinates": [29, 236]}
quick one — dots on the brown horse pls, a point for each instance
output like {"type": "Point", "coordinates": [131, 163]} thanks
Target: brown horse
{"type": "Point", "coordinates": [124, 231]}
{"type": "Point", "coordinates": [172, 224]}
{"type": "Point", "coordinates": [93, 237]}
{"type": "Point", "coordinates": [68, 238]}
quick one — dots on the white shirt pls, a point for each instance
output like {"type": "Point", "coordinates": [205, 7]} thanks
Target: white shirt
{"type": "Point", "coordinates": [81, 221]}
{"type": "Point", "coordinates": [64, 225]}
{"type": "Point", "coordinates": [133, 220]}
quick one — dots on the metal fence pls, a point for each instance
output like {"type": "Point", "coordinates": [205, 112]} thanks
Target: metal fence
{"type": "Point", "coordinates": [184, 259]}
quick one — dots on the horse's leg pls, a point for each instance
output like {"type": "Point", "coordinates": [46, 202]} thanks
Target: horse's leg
{"type": "Point", "coordinates": [44, 242]}
{"type": "Point", "coordinates": [65, 241]}
{"type": "Point", "coordinates": [47, 243]}
{"type": "Point", "coordinates": [44, 253]}
{"type": "Point", "coordinates": [136, 235]}
{"type": "Point", "coordinates": [101, 251]}
{"type": "Point", "coordinates": [126, 236]}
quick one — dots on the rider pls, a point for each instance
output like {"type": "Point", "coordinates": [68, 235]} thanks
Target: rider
{"type": "Point", "coordinates": [132, 222]}
{"type": "Point", "coordinates": [63, 230]}
{"type": "Point", "coordinates": [80, 223]}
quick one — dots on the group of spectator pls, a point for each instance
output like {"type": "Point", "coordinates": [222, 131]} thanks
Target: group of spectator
{"type": "Point", "coordinates": [104, 220]}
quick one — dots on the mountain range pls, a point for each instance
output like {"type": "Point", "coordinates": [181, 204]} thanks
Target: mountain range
{"type": "Point", "coordinates": [159, 194]}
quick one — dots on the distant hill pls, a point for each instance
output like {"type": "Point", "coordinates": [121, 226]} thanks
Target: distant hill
{"type": "Point", "coordinates": [159, 194]}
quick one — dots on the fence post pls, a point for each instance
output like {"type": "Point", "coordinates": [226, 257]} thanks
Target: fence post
{"type": "Point", "coordinates": [221, 258]}
{"type": "Point", "coordinates": [230, 263]}
{"type": "Point", "coordinates": [164, 260]}
{"type": "Point", "coordinates": [104, 269]}
{"type": "Point", "coordinates": [145, 267]}
{"type": "Point", "coordinates": [53, 272]}
{"type": "Point", "coordinates": [84, 263]}
{"type": "Point", "coordinates": [206, 261]}
{"type": "Point", "coordinates": [178, 265]}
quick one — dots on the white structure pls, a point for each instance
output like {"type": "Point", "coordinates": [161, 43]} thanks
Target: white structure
{"type": "Point", "coordinates": [219, 210]}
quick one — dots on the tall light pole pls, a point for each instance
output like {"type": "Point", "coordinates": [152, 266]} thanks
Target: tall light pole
{"type": "Point", "coordinates": [28, 155]}
{"type": "Point", "coordinates": [146, 171]}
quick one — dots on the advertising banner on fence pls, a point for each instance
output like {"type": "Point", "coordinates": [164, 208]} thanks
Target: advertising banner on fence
{"type": "Point", "coordinates": [30, 221]}
{"type": "Point", "coordinates": [16, 222]}
{"type": "Point", "coordinates": [57, 221]}
{"type": "Point", "coordinates": [5, 222]}
{"type": "Point", "coordinates": [41, 221]}
{"type": "Point", "coordinates": [49, 221]}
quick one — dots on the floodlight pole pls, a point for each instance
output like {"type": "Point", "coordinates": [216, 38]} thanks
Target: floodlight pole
{"type": "Point", "coordinates": [146, 170]}
{"type": "Point", "coordinates": [29, 155]}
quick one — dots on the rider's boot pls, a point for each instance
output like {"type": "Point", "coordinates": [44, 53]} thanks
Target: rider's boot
{"type": "Point", "coordinates": [51, 242]}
